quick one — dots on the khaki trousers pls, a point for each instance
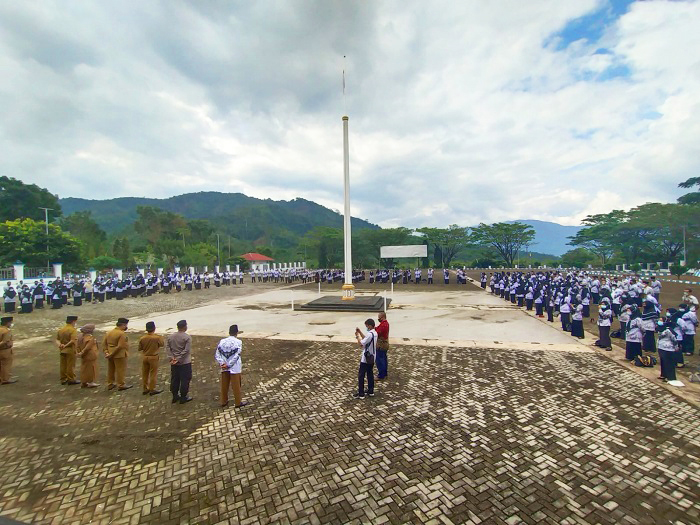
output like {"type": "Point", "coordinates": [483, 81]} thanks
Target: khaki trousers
{"type": "Point", "coordinates": [5, 364]}
{"type": "Point", "coordinates": [235, 381]}
{"type": "Point", "coordinates": [149, 372]}
{"type": "Point", "coordinates": [116, 371]}
{"type": "Point", "coordinates": [88, 371]}
{"type": "Point", "coordinates": [67, 367]}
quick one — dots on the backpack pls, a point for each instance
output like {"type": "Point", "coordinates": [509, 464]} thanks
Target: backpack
{"type": "Point", "coordinates": [617, 334]}
{"type": "Point", "coordinates": [645, 361]}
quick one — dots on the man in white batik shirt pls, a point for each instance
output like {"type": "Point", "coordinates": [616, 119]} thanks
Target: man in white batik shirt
{"type": "Point", "coordinates": [228, 355]}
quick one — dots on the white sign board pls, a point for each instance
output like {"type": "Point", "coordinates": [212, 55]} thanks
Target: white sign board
{"type": "Point", "coordinates": [413, 250]}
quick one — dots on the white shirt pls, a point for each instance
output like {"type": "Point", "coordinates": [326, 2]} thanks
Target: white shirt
{"type": "Point", "coordinates": [369, 343]}
{"type": "Point", "coordinates": [228, 352]}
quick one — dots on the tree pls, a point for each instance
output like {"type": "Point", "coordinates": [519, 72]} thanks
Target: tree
{"type": "Point", "coordinates": [328, 245]}
{"type": "Point", "coordinates": [598, 235]}
{"type": "Point", "coordinates": [577, 258]}
{"type": "Point", "coordinates": [506, 238]}
{"type": "Point", "coordinates": [25, 240]}
{"type": "Point", "coordinates": [694, 196]}
{"type": "Point", "coordinates": [678, 270]}
{"type": "Point", "coordinates": [104, 262]}
{"type": "Point", "coordinates": [373, 240]}
{"type": "Point", "coordinates": [122, 252]}
{"type": "Point", "coordinates": [449, 240]}
{"type": "Point", "coordinates": [22, 201]}
{"type": "Point", "coordinates": [82, 226]}
{"type": "Point", "coordinates": [156, 226]}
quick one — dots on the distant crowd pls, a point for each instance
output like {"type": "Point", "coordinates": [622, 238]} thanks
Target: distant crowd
{"type": "Point", "coordinates": [644, 324]}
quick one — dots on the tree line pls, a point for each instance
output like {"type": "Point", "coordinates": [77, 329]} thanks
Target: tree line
{"type": "Point", "coordinates": [160, 238]}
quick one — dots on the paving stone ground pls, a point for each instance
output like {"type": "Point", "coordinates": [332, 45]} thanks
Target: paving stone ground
{"type": "Point", "coordinates": [456, 435]}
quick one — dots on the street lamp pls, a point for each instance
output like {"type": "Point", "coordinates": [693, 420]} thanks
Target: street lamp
{"type": "Point", "coordinates": [46, 215]}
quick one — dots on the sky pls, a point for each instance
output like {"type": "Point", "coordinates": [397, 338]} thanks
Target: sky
{"type": "Point", "coordinates": [459, 112]}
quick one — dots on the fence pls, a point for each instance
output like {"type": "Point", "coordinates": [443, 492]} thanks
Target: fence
{"type": "Point", "coordinates": [37, 273]}
{"type": "Point", "coordinates": [7, 274]}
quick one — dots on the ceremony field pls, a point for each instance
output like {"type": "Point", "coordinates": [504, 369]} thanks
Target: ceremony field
{"type": "Point", "coordinates": [488, 416]}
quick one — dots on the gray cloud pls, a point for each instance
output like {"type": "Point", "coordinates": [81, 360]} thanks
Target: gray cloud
{"type": "Point", "coordinates": [460, 112]}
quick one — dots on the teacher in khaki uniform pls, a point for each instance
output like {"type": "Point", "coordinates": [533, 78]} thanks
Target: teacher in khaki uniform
{"type": "Point", "coordinates": [116, 350]}
{"type": "Point", "coordinates": [67, 340]}
{"type": "Point", "coordinates": [149, 346]}
{"type": "Point", "coordinates": [6, 344]}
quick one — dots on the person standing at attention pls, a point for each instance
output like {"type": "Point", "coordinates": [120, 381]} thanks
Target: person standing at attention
{"type": "Point", "coordinates": [382, 347]}
{"type": "Point", "coordinates": [368, 343]}
{"type": "Point", "coordinates": [6, 344]}
{"type": "Point", "coordinates": [116, 349]}
{"type": "Point", "coordinates": [149, 346]}
{"type": "Point", "coordinates": [228, 355]}
{"type": "Point", "coordinates": [179, 348]}
{"type": "Point", "coordinates": [66, 340]}
{"type": "Point", "coordinates": [87, 352]}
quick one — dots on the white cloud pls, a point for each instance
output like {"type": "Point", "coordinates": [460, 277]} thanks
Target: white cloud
{"type": "Point", "coordinates": [461, 112]}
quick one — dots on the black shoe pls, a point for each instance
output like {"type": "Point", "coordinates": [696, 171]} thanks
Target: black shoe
{"type": "Point", "coordinates": [145, 392]}
{"type": "Point", "coordinates": [74, 382]}
{"type": "Point", "coordinates": [371, 394]}
{"type": "Point", "coordinates": [358, 396]}
{"type": "Point", "coordinates": [125, 387]}
{"type": "Point", "coordinates": [155, 392]}
{"type": "Point", "coordinates": [243, 403]}
{"type": "Point", "coordinates": [111, 387]}
{"type": "Point", "coordinates": [176, 399]}
{"type": "Point", "coordinates": [186, 400]}
{"type": "Point", "coordinates": [9, 381]}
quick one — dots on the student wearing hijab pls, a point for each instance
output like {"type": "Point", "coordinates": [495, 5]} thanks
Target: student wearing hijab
{"type": "Point", "coordinates": [604, 322]}
{"type": "Point", "coordinates": [691, 324]}
{"type": "Point", "coordinates": [668, 347]}
{"type": "Point", "coordinates": [633, 334]}
{"type": "Point", "coordinates": [87, 352]}
{"type": "Point", "coordinates": [577, 320]}
{"type": "Point", "coordinates": [649, 321]}
{"type": "Point", "coordinates": [10, 300]}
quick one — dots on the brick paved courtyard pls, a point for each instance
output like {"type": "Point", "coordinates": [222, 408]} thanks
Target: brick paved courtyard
{"type": "Point", "coordinates": [456, 436]}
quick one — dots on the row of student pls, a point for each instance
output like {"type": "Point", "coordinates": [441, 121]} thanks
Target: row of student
{"type": "Point", "coordinates": [635, 303]}
{"type": "Point", "coordinates": [396, 276]}
{"type": "Point", "coordinates": [60, 292]}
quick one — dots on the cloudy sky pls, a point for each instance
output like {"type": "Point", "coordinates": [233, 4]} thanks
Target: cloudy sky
{"type": "Point", "coordinates": [460, 112]}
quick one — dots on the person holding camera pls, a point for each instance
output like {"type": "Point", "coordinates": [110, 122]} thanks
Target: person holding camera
{"type": "Point", "coordinates": [368, 343]}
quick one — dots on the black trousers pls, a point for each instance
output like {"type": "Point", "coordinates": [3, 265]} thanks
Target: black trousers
{"type": "Point", "coordinates": [668, 365]}
{"type": "Point", "coordinates": [539, 308]}
{"type": "Point", "coordinates": [367, 370]}
{"type": "Point", "coordinates": [649, 341]}
{"type": "Point", "coordinates": [604, 336]}
{"type": "Point", "coordinates": [528, 304]}
{"type": "Point", "coordinates": [180, 377]}
{"type": "Point", "coordinates": [565, 321]}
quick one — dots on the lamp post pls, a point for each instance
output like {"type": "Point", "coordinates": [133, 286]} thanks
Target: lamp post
{"type": "Point", "coordinates": [46, 215]}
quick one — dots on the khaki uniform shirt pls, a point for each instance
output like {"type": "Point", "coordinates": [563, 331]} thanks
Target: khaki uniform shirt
{"type": "Point", "coordinates": [150, 344]}
{"type": "Point", "coordinates": [5, 341]}
{"type": "Point", "coordinates": [116, 344]}
{"type": "Point", "coordinates": [68, 335]}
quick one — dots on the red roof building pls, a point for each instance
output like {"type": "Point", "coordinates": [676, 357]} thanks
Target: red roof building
{"type": "Point", "coordinates": [256, 257]}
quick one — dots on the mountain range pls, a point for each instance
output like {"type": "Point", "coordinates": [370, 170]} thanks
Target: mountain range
{"type": "Point", "coordinates": [251, 217]}
{"type": "Point", "coordinates": [551, 237]}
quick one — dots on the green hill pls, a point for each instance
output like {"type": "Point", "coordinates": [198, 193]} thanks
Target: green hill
{"type": "Point", "coordinates": [240, 215]}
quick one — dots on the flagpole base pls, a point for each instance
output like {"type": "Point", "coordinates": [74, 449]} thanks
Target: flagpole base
{"type": "Point", "coordinates": [348, 292]}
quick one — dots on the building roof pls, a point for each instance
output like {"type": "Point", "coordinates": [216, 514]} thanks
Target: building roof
{"type": "Point", "coordinates": [256, 257]}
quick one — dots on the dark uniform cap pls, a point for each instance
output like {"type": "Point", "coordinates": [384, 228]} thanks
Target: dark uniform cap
{"type": "Point", "coordinates": [4, 320]}
{"type": "Point", "coordinates": [122, 320]}
{"type": "Point", "coordinates": [71, 318]}
{"type": "Point", "coordinates": [181, 324]}
{"type": "Point", "coordinates": [150, 326]}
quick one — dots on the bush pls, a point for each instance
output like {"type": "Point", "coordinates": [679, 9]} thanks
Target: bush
{"type": "Point", "coordinates": [678, 270]}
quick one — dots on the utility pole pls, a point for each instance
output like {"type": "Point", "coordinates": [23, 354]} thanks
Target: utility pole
{"type": "Point", "coordinates": [46, 215]}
